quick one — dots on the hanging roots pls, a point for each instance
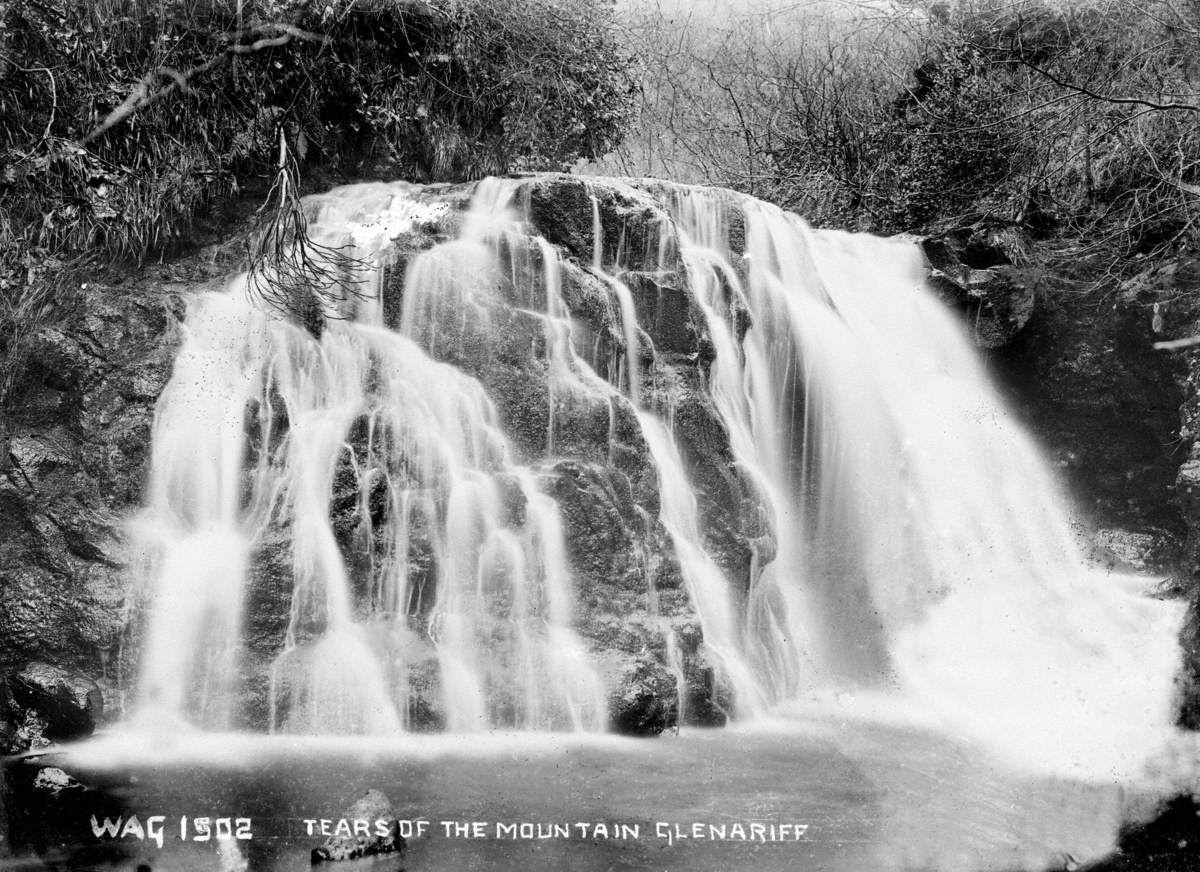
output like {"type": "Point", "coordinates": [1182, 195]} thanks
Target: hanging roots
{"type": "Point", "coordinates": [289, 272]}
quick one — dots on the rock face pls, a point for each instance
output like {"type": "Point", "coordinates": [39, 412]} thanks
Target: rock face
{"type": "Point", "coordinates": [79, 442]}
{"type": "Point", "coordinates": [1175, 313]}
{"type": "Point", "coordinates": [1085, 377]}
{"type": "Point", "coordinates": [980, 270]}
{"type": "Point", "coordinates": [76, 449]}
{"type": "Point", "coordinates": [77, 445]}
{"type": "Point", "coordinates": [1167, 842]}
{"type": "Point", "coordinates": [1120, 417]}
{"type": "Point", "coordinates": [1180, 282]}
{"type": "Point", "coordinates": [1122, 550]}
{"type": "Point", "coordinates": [71, 704]}
{"type": "Point", "coordinates": [599, 470]}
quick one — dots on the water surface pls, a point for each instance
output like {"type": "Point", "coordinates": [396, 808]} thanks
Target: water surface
{"type": "Point", "coordinates": [861, 796]}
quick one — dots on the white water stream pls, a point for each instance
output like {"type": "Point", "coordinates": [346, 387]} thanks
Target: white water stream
{"type": "Point", "coordinates": [925, 552]}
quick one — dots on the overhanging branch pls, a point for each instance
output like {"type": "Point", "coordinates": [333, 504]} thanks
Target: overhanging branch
{"type": "Point", "coordinates": [1173, 106]}
{"type": "Point", "coordinates": [145, 93]}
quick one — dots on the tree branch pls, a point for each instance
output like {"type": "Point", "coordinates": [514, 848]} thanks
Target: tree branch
{"type": "Point", "coordinates": [142, 94]}
{"type": "Point", "coordinates": [1107, 98]}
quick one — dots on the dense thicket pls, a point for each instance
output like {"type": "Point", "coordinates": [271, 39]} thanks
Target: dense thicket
{"type": "Point", "coordinates": [1069, 117]}
{"type": "Point", "coordinates": [120, 120]}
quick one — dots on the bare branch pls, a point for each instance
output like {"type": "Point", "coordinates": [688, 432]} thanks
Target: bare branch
{"type": "Point", "coordinates": [288, 270]}
{"type": "Point", "coordinates": [1107, 98]}
{"type": "Point", "coordinates": [144, 93]}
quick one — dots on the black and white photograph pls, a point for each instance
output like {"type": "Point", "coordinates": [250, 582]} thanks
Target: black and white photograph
{"type": "Point", "coordinates": [600, 435]}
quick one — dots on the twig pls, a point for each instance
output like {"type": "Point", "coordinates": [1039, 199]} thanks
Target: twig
{"type": "Point", "coordinates": [53, 91]}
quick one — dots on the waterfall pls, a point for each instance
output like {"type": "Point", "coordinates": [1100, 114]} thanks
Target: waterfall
{"type": "Point", "coordinates": [926, 549]}
{"type": "Point", "coordinates": [417, 444]}
{"type": "Point", "coordinates": [710, 590]}
{"type": "Point", "coordinates": [923, 549]}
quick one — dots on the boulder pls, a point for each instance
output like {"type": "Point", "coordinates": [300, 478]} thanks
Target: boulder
{"type": "Point", "coordinates": [634, 229]}
{"type": "Point", "coordinates": [646, 701]}
{"type": "Point", "coordinates": [55, 781]}
{"type": "Point", "coordinates": [980, 270]}
{"type": "Point", "coordinates": [1141, 550]}
{"type": "Point", "coordinates": [21, 728]}
{"type": "Point", "coordinates": [375, 809]}
{"type": "Point", "coordinates": [71, 704]}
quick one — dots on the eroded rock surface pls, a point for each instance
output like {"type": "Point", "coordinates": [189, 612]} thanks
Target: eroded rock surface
{"type": "Point", "coordinates": [78, 444]}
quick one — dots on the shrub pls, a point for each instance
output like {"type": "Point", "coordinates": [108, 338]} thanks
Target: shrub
{"type": "Point", "coordinates": [1081, 116]}
{"type": "Point", "coordinates": [120, 121]}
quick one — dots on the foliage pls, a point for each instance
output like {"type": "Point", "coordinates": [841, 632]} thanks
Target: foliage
{"type": "Point", "coordinates": [1068, 117]}
{"type": "Point", "coordinates": [1106, 94]}
{"type": "Point", "coordinates": [121, 121]}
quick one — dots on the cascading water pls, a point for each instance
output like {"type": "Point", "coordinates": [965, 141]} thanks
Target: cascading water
{"type": "Point", "coordinates": [925, 547]}
{"type": "Point", "coordinates": [922, 547]}
{"type": "Point", "coordinates": [418, 442]}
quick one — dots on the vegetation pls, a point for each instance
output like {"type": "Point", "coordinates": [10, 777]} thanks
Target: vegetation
{"type": "Point", "coordinates": [121, 120]}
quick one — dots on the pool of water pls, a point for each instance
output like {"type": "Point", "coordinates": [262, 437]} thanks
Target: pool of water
{"type": "Point", "coordinates": [821, 794]}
